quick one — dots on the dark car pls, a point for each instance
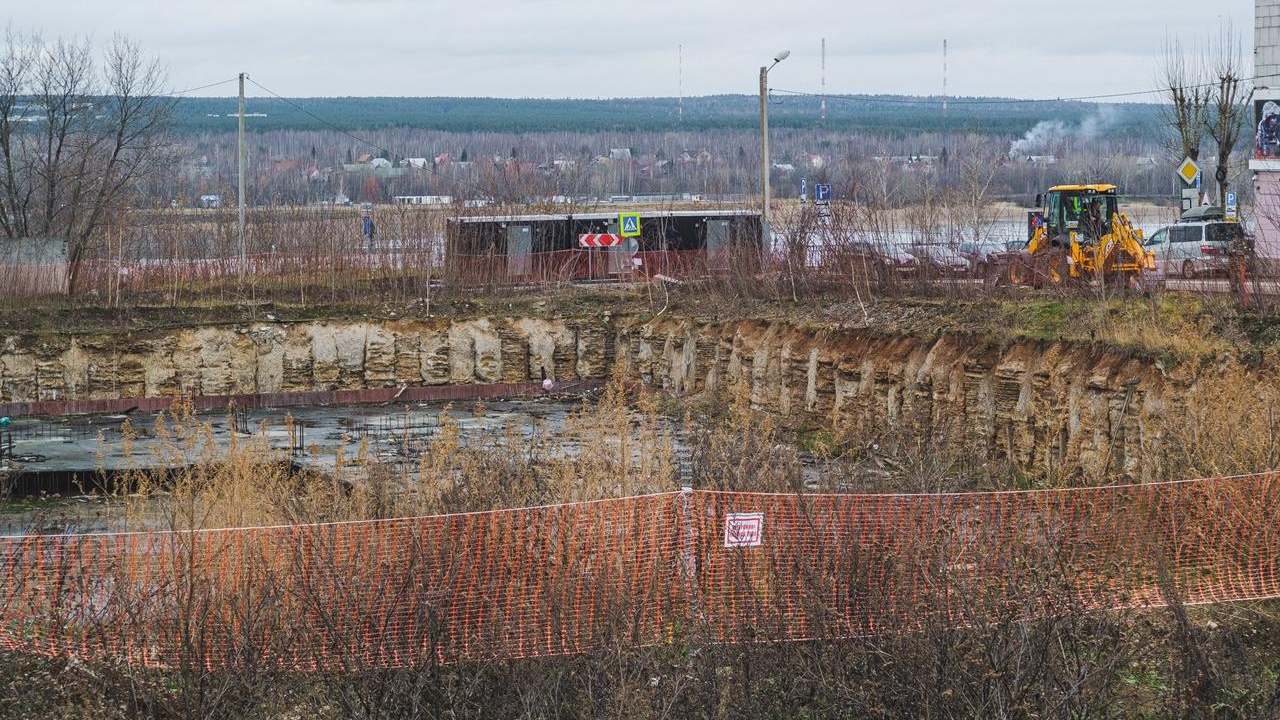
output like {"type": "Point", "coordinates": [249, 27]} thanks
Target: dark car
{"type": "Point", "coordinates": [979, 254]}
{"type": "Point", "coordinates": [940, 259]}
{"type": "Point", "coordinates": [878, 260]}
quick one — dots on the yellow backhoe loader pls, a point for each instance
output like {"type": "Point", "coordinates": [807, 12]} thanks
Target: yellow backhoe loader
{"type": "Point", "coordinates": [1078, 234]}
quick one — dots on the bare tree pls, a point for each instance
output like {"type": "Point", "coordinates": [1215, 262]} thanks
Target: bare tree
{"type": "Point", "coordinates": [76, 135]}
{"type": "Point", "coordinates": [1229, 106]}
{"type": "Point", "coordinates": [968, 205]}
{"type": "Point", "coordinates": [1181, 77]}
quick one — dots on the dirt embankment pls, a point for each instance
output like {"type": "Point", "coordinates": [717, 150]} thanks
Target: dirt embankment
{"type": "Point", "coordinates": [1042, 403]}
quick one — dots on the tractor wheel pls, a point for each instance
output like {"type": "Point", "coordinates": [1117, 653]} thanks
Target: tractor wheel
{"type": "Point", "coordinates": [1054, 270]}
{"type": "Point", "coordinates": [1019, 271]}
{"type": "Point", "coordinates": [994, 274]}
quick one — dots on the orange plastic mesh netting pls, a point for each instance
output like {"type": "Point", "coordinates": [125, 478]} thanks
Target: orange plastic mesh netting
{"type": "Point", "coordinates": [718, 567]}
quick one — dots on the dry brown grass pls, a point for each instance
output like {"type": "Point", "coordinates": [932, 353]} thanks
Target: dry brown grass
{"type": "Point", "coordinates": [616, 446]}
{"type": "Point", "coordinates": [1107, 661]}
{"type": "Point", "coordinates": [626, 443]}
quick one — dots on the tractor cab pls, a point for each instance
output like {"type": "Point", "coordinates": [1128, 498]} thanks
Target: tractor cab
{"type": "Point", "coordinates": [1080, 211]}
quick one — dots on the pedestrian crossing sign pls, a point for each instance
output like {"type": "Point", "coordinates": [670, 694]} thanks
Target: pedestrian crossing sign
{"type": "Point", "coordinates": [629, 224]}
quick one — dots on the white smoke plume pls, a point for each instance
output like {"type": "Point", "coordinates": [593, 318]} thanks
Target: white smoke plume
{"type": "Point", "coordinates": [1047, 136]}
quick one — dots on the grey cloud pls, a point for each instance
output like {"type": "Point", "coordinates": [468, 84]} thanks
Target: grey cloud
{"type": "Point", "coordinates": [588, 48]}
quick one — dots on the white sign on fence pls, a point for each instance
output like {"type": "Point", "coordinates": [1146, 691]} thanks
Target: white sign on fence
{"type": "Point", "coordinates": [743, 529]}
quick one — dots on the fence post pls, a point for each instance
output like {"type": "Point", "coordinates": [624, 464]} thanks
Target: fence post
{"type": "Point", "coordinates": [689, 527]}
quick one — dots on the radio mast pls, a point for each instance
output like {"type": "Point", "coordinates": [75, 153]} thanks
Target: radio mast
{"type": "Point", "coordinates": [946, 125]}
{"type": "Point", "coordinates": [823, 106]}
{"type": "Point", "coordinates": [680, 84]}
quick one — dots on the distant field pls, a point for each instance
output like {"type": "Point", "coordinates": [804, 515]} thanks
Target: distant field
{"type": "Point", "coordinates": [878, 114]}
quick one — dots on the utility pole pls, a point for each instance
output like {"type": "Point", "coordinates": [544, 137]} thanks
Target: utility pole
{"type": "Point", "coordinates": [240, 181]}
{"type": "Point", "coordinates": [764, 157]}
{"type": "Point", "coordinates": [765, 232]}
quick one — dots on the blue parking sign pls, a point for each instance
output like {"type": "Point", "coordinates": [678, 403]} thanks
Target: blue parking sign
{"type": "Point", "coordinates": [821, 192]}
{"type": "Point", "coordinates": [1231, 198]}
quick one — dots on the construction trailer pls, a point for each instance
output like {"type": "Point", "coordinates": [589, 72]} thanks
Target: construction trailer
{"type": "Point", "coordinates": [546, 248]}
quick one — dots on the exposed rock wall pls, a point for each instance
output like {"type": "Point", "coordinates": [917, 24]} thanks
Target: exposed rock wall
{"type": "Point", "coordinates": [1041, 404]}
{"type": "Point", "coordinates": [270, 358]}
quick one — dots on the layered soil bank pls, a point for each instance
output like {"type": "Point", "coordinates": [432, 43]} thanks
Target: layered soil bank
{"type": "Point", "coordinates": [1039, 404]}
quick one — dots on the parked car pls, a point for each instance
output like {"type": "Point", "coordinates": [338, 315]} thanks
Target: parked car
{"type": "Point", "coordinates": [883, 259]}
{"type": "Point", "coordinates": [1199, 245]}
{"type": "Point", "coordinates": [979, 254]}
{"type": "Point", "coordinates": [940, 259]}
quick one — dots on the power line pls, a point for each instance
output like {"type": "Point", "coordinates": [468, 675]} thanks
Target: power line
{"type": "Point", "coordinates": [1005, 101]}
{"type": "Point", "coordinates": [176, 93]}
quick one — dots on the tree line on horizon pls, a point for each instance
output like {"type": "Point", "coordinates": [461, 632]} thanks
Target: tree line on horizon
{"type": "Point", "coordinates": [890, 114]}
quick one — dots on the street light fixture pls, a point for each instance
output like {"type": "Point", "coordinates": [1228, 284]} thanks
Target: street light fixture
{"type": "Point", "coordinates": [764, 147]}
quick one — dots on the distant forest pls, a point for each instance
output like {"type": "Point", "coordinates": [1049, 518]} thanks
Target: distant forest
{"type": "Point", "coordinates": [880, 114]}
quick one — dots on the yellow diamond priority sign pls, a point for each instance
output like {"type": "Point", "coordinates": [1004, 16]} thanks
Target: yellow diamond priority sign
{"type": "Point", "coordinates": [1189, 171]}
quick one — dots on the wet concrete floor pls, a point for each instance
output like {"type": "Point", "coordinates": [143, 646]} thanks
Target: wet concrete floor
{"type": "Point", "coordinates": [51, 455]}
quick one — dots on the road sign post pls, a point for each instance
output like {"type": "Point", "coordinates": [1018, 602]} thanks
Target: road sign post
{"type": "Point", "coordinates": [1231, 213]}
{"type": "Point", "coordinates": [629, 224]}
{"type": "Point", "coordinates": [1189, 173]}
{"type": "Point", "coordinates": [822, 198]}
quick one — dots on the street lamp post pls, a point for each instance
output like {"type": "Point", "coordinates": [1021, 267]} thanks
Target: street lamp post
{"type": "Point", "coordinates": [764, 147]}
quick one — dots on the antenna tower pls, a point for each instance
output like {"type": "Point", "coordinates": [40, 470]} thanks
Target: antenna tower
{"type": "Point", "coordinates": [823, 106]}
{"type": "Point", "coordinates": [946, 125]}
{"type": "Point", "coordinates": [680, 84]}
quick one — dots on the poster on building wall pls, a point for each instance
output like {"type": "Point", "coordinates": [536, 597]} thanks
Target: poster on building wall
{"type": "Point", "coordinates": [1266, 139]}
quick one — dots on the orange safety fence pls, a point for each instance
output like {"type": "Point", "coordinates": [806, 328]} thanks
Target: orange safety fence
{"type": "Point", "coordinates": [686, 566]}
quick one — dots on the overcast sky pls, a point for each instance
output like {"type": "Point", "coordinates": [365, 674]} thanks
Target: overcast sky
{"type": "Point", "coordinates": [603, 48]}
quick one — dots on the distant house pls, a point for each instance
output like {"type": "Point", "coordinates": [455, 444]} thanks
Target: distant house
{"type": "Point", "coordinates": [416, 163]}
{"type": "Point", "coordinates": [381, 167]}
{"type": "Point", "coordinates": [784, 167]}
{"type": "Point", "coordinates": [444, 159]}
{"type": "Point", "coordinates": [907, 160]}
{"type": "Point", "coordinates": [619, 153]}
{"type": "Point", "coordinates": [365, 158]}
{"type": "Point", "coordinates": [813, 161]}
{"type": "Point", "coordinates": [423, 199]}
{"type": "Point", "coordinates": [210, 202]}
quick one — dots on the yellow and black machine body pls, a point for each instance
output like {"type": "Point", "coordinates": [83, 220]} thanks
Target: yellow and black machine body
{"type": "Point", "coordinates": [1079, 234]}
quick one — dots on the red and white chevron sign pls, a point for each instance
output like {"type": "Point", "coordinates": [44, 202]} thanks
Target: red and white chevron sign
{"type": "Point", "coordinates": [591, 240]}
